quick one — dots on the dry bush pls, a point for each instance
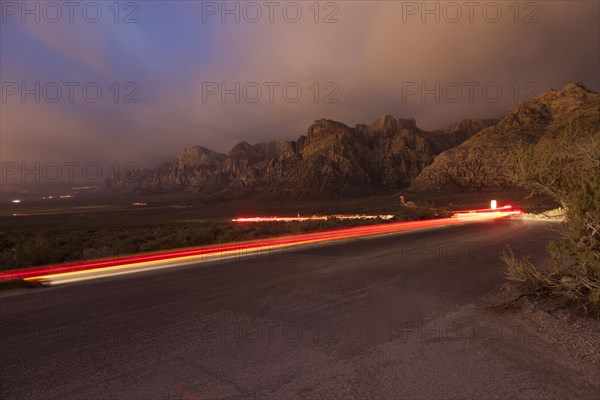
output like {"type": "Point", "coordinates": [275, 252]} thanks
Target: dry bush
{"type": "Point", "coordinates": [567, 167]}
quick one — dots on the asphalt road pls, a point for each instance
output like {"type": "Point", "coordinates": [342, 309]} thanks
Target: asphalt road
{"type": "Point", "coordinates": [394, 317]}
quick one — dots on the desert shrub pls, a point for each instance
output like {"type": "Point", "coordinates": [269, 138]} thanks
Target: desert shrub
{"type": "Point", "coordinates": [567, 167]}
{"type": "Point", "coordinates": [75, 241]}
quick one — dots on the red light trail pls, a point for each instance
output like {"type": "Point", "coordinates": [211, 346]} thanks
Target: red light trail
{"type": "Point", "coordinates": [134, 263]}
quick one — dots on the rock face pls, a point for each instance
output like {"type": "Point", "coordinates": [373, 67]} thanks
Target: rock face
{"type": "Point", "coordinates": [484, 160]}
{"type": "Point", "coordinates": [333, 159]}
{"type": "Point", "coordinates": [193, 167]}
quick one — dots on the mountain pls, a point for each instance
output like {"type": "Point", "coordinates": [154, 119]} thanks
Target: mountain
{"type": "Point", "coordinates": [331, 160]}
{"type": "Point", "coordinates": [334, 160]}
{"type": "Point", "coordinates": [193, 166]}
{"type": "Point", "coordinates": [483, 161]}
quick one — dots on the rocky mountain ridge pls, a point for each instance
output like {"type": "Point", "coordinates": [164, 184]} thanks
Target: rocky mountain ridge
{"type": "Point", "coordinates": [390, 153]}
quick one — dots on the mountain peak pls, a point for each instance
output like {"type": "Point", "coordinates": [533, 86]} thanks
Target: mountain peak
{"type": "Point", "coordinates": [572, 90]}
{"type": "Point", "coordinates": [326, 124]}
{"type": "Point", "coordinates": [383, 123]}
{"type": "Point", "coordinates": [198, 155]}
{"type": "Point", "coordinates": [575, 86]}
{"type": "Point", "coordinates": [388, 123]}
{"type": "Point", "coordinates": [323, 128]}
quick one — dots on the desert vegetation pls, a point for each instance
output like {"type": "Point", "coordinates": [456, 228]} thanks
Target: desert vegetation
{"type": "Point", "coordinates": [111, 236]}
{"type": "Point", "coordinates": [567, 167]}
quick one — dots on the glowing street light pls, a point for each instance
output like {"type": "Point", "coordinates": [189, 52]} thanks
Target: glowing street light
{"type": "Point", "coordinates": [494, 204]}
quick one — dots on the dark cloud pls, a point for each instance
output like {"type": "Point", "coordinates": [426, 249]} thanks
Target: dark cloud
{"type": "Point", "coordinates": [376, 59]}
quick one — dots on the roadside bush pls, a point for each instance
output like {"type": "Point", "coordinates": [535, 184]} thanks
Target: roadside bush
{"type": "Point", "coordinates": [567, 167]}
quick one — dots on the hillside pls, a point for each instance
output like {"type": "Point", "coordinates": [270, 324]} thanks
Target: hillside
{"type": "Point", "coordinates": [484, 160]}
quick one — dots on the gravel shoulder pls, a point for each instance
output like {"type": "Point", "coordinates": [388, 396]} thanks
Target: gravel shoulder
{"type": "Point", "coordinates": [569, 343]}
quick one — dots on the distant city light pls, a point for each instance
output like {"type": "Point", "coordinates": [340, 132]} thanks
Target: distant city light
{"type": "Point", "coordinates": [16, 201]}
{"type": "Point", "coordinates": [494, 205]}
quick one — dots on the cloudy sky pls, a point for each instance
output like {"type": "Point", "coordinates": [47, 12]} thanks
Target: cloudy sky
{"type": "Point", "coordinates": [138, 82]}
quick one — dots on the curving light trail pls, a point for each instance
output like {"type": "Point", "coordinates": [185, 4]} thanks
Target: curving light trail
{"type": "Point", "coordinates": [72, 272]}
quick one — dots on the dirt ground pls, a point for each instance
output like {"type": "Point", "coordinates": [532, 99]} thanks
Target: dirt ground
{"type": "Point", "coordinates": [570, 341]}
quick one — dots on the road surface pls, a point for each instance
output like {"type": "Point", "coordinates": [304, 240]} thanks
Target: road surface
{"type": "Point", "coordinates": [394, 317]}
